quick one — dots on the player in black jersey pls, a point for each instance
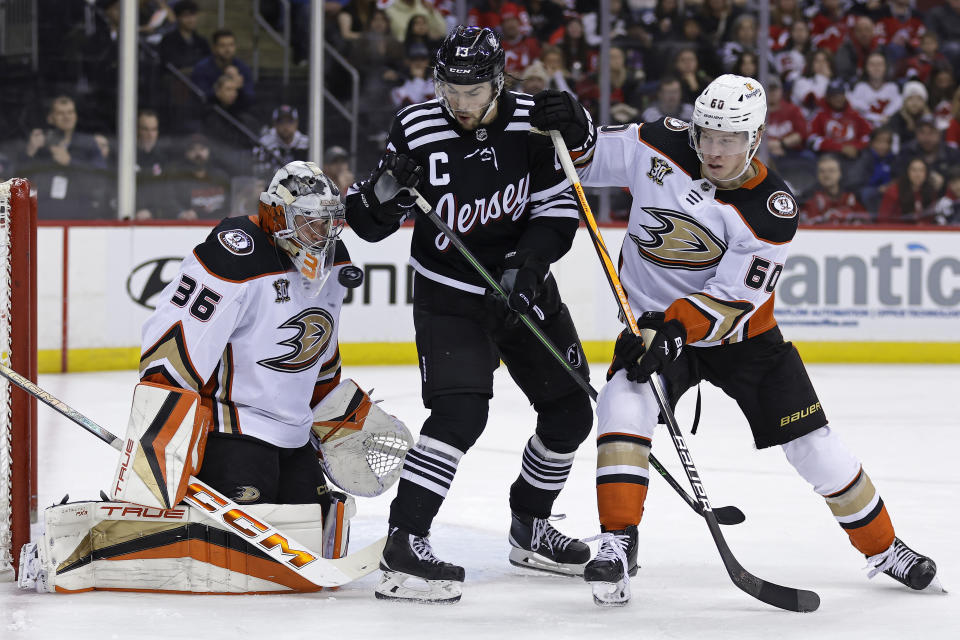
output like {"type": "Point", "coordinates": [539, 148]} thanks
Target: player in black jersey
{"type": "Point", "coordinates": [470, 153]}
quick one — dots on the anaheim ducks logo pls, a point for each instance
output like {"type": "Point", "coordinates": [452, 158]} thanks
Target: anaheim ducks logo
{"type": "Point", "coordinates": [680, 242]}
{"type": "Point", "coordinates": [314, 328]}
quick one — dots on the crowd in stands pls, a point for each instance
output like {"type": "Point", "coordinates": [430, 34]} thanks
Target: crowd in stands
{"type": "Point", "coordinates": [863, 121]}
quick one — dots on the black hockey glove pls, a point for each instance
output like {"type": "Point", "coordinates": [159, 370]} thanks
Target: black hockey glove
{"type": "Point", "coordinates": [665, 347]}
{"type": "Point", "coordinates": [523, 275]}
{"type": "Point", "coordinates": [382, 187]}
{"type": "Point", "coordinates": [558, 110]}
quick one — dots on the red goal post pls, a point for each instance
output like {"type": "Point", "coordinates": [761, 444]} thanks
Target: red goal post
{"type": "Point", "coordinates": [18, 350]}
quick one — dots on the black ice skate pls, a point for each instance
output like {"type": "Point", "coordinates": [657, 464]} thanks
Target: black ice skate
{"type": "Point", "coordinates": [537, 545]}
{"type": "Point", "coordinates": [904, 565]}
{"type": "Point", "coordinates": [605, 573]}
{"type": "Point", "coordinates": [412, 572]}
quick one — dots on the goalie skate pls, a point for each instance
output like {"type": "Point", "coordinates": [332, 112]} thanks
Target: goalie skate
{"type": "Point", "coordinates": [411, 572]}
{"type": "Point", "coordinates": [605, 573]}
{"type": "Point", "coordinates": [537, 545]}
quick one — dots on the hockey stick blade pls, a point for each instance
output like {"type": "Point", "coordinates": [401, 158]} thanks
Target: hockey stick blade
{"type": "Point", "coordinates": [729, 515]}
{"type": "Point", "coordinates": [312, 566]}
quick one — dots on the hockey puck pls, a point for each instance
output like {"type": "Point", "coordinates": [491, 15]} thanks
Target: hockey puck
{"type": "Point", "coordinates": [351, 277]}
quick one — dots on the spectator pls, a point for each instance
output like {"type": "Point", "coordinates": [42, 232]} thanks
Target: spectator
{"type": "Point", "coordinates": [223, 62]}
{"type": "Point", "coordinates": [154, 17]}
{"type": "Point", "coordinates": [952, 136]}
{"type": "Point", "coordinates": [942, 86]}
{"type": "Point", "coordinates": [184, 47]}
{"type": "Point", "coordinates": [354, 19]}
{"type": "Point", "coordinates": [418, 86]}
{"type": "Point", "coordinates": [904, 121]}
{"type": "Point", "coordinates": [486, 13]}
{"type": "Point", "coordinates": [664, 23]}
{"type": "Point", "coordinates": [519, 50]}
{"type": "Point", "coordinates": [535, 78]}
{"type": "Point", "coordinates": [875, 97]}
{"type": "Point", "coordinates": [686, 67]}
{"type": "Point", "coordinates": [336, 166]}
{"type": "Point", "coordinates": [669, 102]}
{"type": "Point", "coordinates": [785, 136]}
{"type": "Point", "coordinates": [920, 65]}
{"type": "Point", "coordinates": [928, 145]}
{"type": "Point", "coordinates": [557, 73]}
{"type": "Point", "coordinates": [852, 53]}
{"type": "Point", "coordinates": [100, 63]}
{"type": "Point", "coordinates": [873, 171]}
{"type": "Point", "coordinates": [790, 61]}
{"type": "Point", "coordinates": [911, 199]}
{"type": "Point", "coordinates": [378, 56]}
{"type": "Point", "coordinates": [837, 127]}
{"type": "Point", "coordinates": [65, 166]}
{"type": "Point", "coordinates": [717, 18]}
{"type": "Point", "coordinates": [810, 88]}
{"type": "Point", "coordinates": [783, 15]}
{"type": "Point", "coordinates": [546, 16]}
{"type": "Point", "coordinates": [282, 143]}
{"type": "Point", "coordinates": [625, 98]}
{"type": "Point", "coordinates": [829, 26]}
{"type": "Point", "coordinates": [578, 54]}
{"type": "Point", "coordinates": [199, 190]}
{"type": "Point", "coordinates": [944, 20]}
{"type": "Point", "coordinates": [947, 209]}
{"type": "Point", "coordinates": [829, 204]}
{"type": "Point", "coordinates": [400, 12]}
{"type": "Point", "coordinates": [744, 31]}
{"type": "Point", "coordinates": [418, 30]}
{"type": "Point", "coordinates": [619, 23]}
{"type": "Point", "coordinates": [746, 64]}
{"type": "Point", "coordinates": [900, 29]}
{"type": "Point", "coordinates": [152, 193]}
{"type": "Point", "coordinates": [695, 38]}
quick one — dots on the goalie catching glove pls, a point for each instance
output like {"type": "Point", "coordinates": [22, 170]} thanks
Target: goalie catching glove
{"type": "Point", "coordinates": [640, 360]}
{"type": "Point", "coordinates": [361, 446]}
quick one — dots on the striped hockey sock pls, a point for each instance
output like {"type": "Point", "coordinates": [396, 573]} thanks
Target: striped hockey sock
{"type": "Point", "coordinates": [542, 475]}
{"type": "Point", "coordinates": [622, 479]}
{"type": "Point", "coordinates": [428, 471]}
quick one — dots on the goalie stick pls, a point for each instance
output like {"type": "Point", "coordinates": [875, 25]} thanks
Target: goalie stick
{"type": "Point", "coordinates": [725, 515]}
{"type": "Point", "coordinates": [309, 564]}
{"type": "Point", "coordinates": [773, 594]}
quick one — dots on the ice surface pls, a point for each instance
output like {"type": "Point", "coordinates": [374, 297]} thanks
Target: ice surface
{"type": "Point", "coordinates": [901, 420]}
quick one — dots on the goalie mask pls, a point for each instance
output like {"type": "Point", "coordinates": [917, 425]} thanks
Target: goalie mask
{"type": "Point", "coordinates": [302, 211]}
{"type": "Point", "coordinates": [728, 120]}
{"type": "Point", "coordinates": [468, 74]}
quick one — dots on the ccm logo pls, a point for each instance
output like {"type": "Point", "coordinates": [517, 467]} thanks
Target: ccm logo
{"type": "Point", "coordinates": [246, 525]}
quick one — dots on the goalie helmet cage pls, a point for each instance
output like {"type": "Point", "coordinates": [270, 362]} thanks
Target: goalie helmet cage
{"type": "Point", "coordinates": [18, 350]}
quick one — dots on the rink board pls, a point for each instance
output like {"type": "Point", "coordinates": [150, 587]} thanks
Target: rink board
{"type": "Point", "coordinates": [843, 296]}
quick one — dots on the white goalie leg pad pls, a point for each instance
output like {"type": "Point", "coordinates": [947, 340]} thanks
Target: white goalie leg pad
{"type": "Point", "coordinates": [361, 446]}
{"type": "Point", "coordinates": [166, 435]}
{"type": "Point", "coordinates": [121, 546]}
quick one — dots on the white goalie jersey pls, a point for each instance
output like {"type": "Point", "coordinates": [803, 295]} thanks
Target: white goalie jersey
{"type": "Point", "coordinates": [235, 324]}
{"type": "Point", "coordinates": [710, 258]}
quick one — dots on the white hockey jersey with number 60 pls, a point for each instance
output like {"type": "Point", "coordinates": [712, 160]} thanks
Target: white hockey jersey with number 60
{"type": "Point", "coordinates": [236, 326]}
{"type": "Point", "coordinates": [710, 258]}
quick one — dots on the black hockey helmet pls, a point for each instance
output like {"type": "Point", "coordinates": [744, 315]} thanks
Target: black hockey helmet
{"type": "Point", "coordinates": [470, 55]}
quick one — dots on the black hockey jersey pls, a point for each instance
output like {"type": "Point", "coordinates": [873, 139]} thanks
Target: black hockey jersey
{"type": "Point", "coordinates": [498, 187]}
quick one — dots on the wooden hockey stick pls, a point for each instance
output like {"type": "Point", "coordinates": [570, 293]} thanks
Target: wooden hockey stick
{"type": "Point", "coordinates": [725, 515]}
{"type": "Point", "coordinates": [310, 565]}
{"type": "Point", "coordinates": [773, 594]}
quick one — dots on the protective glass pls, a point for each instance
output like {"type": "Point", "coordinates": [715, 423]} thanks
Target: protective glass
{"type": "Point", "coordinates": [466, 98]}
{"type": "Point", "coordinates": [710, 142]}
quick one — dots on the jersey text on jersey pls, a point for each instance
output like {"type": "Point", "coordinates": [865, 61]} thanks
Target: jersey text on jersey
{"type": "Point", "coordinates": [511, 203]}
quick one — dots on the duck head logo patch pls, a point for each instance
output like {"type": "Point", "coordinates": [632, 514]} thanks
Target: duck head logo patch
{"type": "Point", "coordinates": [678, 242]}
